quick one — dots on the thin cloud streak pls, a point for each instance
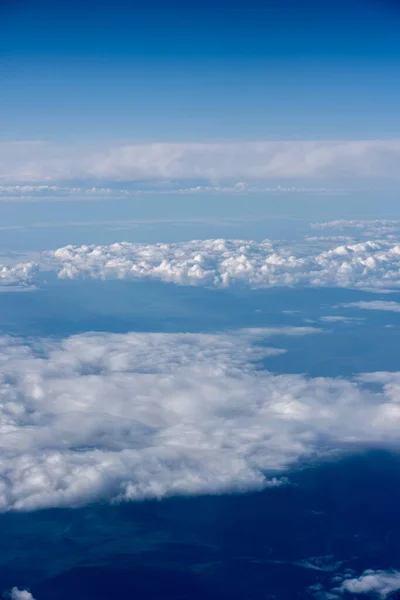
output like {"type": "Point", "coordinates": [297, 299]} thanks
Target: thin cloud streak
{"type": "Point", "coordinates": [48, 163]}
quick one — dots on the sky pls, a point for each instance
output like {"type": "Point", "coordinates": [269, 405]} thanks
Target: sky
{"type": "Point", "coordinates": [158, 71]}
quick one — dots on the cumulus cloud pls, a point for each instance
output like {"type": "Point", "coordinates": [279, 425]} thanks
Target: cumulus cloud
{"type": "Point", "coordinates": [139, 415]}
{"type": "Point", "coordinates": [221, 263]}
{"type": "Point", "coordinates": [20, 274]}
{"type": "Point", "coordinates": [381, 583]}
{"type": "Point", "coordinates": [374, 583]}
{"type": "Point", "coordinates": [374, 305]}
{"type": "Point", "coordinates": [28, 162]}
{"type": "Point", "coordinates": [17, 594]}
{"type": "Point", "coordinates": [373, 265]}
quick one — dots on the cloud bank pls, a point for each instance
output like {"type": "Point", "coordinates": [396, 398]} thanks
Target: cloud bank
{"type": "Point", "coordinates": [31, 162]}
{"type": "Point", "coordinates": [56, 192]}
{"type": "Point", "coordinates": [387, 228]}
{"type": "Point", "coordinates": [133, 416]}
{"type": "Point", "coordinates": [222, 263]}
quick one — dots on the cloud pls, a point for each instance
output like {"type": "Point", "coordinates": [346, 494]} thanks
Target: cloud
{"type": "Point", "coordinates": [20, 274]}
{"type": "Point", "coordinates": [374, 305]}
{"type": "Point", "coordinates": [355, 224]}
{"type": "Point", "coordinates": [381, 583]}
{"type": "Point", "coordinates": [16, 594]}
{"type": "Point", "coordinates": [387, 228]}
{"type": "Point", "coordinates": [27, 162]}
{"type": "Point", "coordinates": [372, 265]}
{"type": "Point", "coordinates": [337, 319]}
{"type": "Point", "coordinates": [222, 263]}
{"type": "Point", "coordinates": [374, 583]}
{"type": "Point", "coordinates": [55, 192]}
{"type": "Point", "coordinates": [127, 417]}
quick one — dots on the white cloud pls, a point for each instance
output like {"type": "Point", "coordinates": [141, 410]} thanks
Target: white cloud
{"type": "Point", "coordinates": [374, 583]}
{"type": "Point", "coordinates": [374, 305]}
{"type": "Point", "coordinates": [17, 594]}
{"type": "Point", "coordinates": [105, 416]}
{"type": "Point", "coordinates": [329, 238]}
{"type": "Point", "coordinates": [387, 228]}
{"type": "Point", "coordinates": [338, 319]}
{"type": "Point", "coordinates": [372, 265]}
{"type": "Point", "coordinates": [381, 583]}
{"type": "Point", "coordinates": [221, 263]}
{"type": "Point", "coordinates": [20, 274]}
{"type": "Point", "coordinates": [56, 192]}
{"type": "Point", "coordinates": [27, 162]}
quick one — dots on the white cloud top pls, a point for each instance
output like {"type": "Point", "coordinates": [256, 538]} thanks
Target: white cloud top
{"type": "Point", "coordinates": [18, 274]}
{"type": "Point", "coordinates": [221, 263]}
{"type": "Point", "coordinates": [105, 416]}
{"type": "Point", "coordinates": [45, 163]}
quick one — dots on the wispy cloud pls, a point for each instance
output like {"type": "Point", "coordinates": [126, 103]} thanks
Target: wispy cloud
{"type": "Point", "coordinates": [48, 163]}
{"type": "Point", "coordinates": [367, 227]}
{"type": "Point", "coordinates": [374, 305]}
{"type": "Point", "coordinates": [12, 193]}
{"type": "Point", "coordinates": [339, 319]}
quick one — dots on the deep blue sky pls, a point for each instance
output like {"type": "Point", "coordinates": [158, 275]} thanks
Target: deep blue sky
{"type": "Point", "coordinates": [199, 71]}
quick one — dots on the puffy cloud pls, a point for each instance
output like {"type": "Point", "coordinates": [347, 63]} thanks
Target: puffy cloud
{"type": "Point", "coordinates": [371, 265]}
{"type": "Point", "coordinates": [17, 594]}
{"type": "Point", "coordinates": [384, 305]}
{"type": "Point", "coordinates": [374, 583]}
{"type": "Point", "coordinates": [381, 583]}
{"type": "Point", "coordinates": [221, 263]}
{"type": "Point", "coordinates": [45, 162]}
{"type": "Point", "coordinates": [133, 416]}
{"type": "Point", "coordinates": [20, 274]}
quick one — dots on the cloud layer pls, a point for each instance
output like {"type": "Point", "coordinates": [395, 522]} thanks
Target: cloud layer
{"type": "Point", "coordinates": [56, 192]}
{"type": "Point", "coordinates": [133, 416]}
{"type": "Point", "coordinates": [221, 263]}
{"type": "Point", "coordinates": [31, 162]}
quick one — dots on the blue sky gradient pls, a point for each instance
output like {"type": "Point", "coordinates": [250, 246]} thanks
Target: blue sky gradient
{"type": "Point", "coordinates": [210, 71]}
